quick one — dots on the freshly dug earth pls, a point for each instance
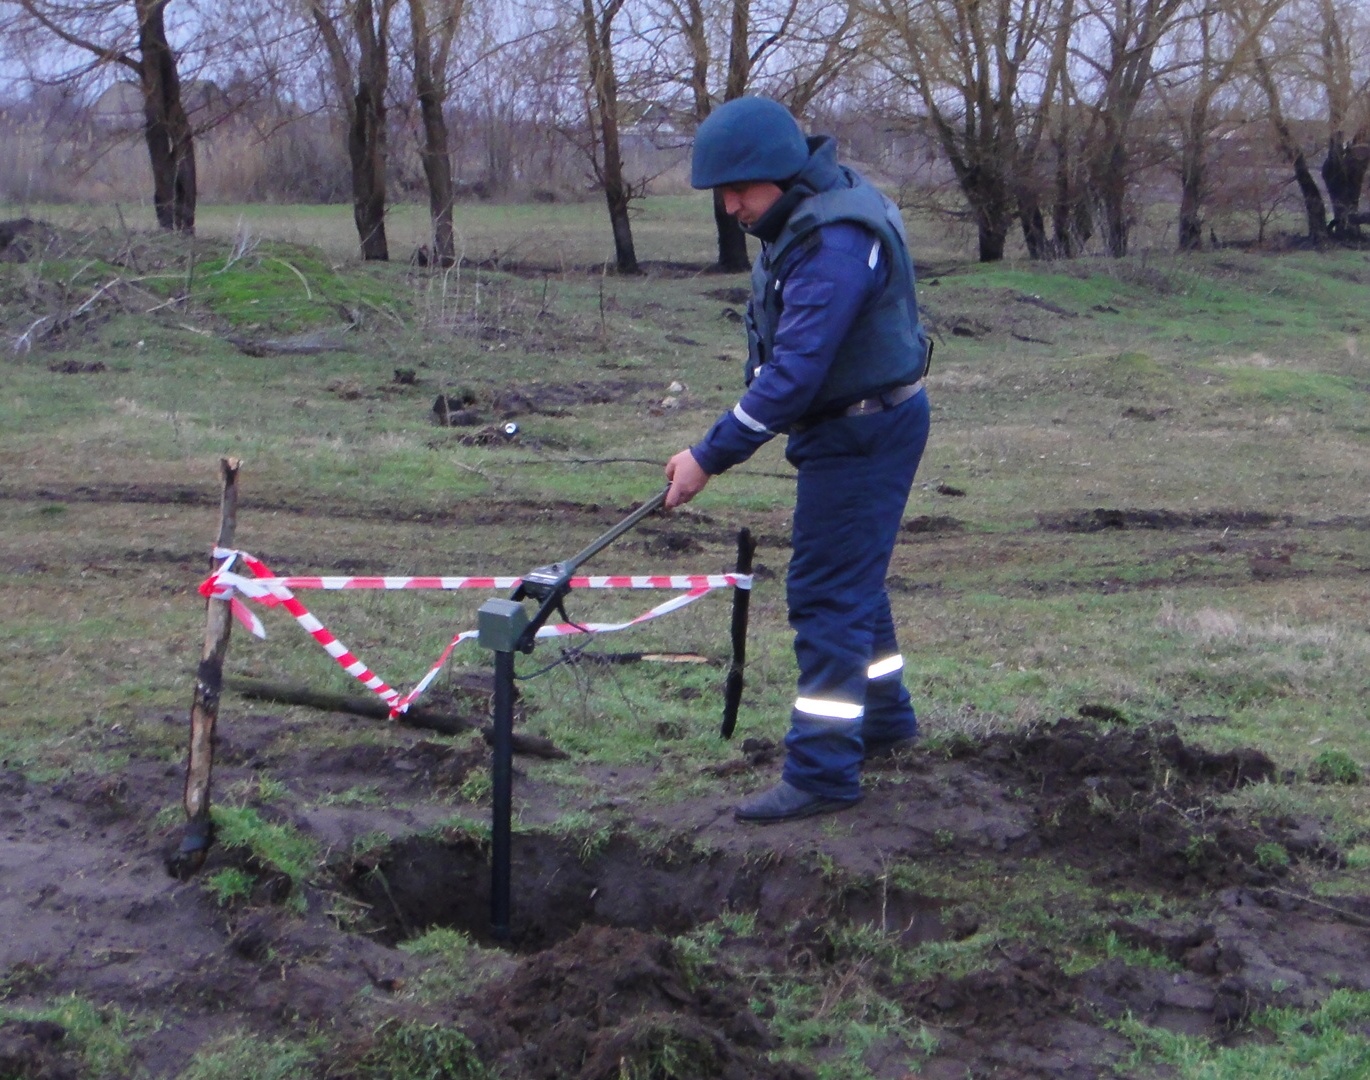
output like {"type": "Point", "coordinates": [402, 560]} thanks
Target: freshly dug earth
{"type": "Point", "coordinates": [1210, 925]}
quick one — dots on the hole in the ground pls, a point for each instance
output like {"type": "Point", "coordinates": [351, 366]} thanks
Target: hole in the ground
{"type": "Point", "coordinates": [422, 882]}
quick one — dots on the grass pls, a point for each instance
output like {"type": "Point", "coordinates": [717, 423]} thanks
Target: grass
{"type": "Point", "coordinates": [1327, 1043]}
{"type": "Point", "coordinates": [844, 1010]}
{"type": "Point", "coordinates": [418, 1051]}
{"type": "Point", "coordinates": [101, 1037]}
{"type": "Point", "coordinates": [243, 1055]}
{"type": "Point", "coordinates": [1205, 386]}
{"type": "Point", "coordinates": [274, 848]}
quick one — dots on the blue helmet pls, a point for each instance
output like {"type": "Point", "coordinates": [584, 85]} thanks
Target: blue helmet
{"type": "Point", "coordinates": [747, 139]}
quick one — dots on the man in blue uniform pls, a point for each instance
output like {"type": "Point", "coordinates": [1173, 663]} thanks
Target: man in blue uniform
{"type": "Point", "coordinates": [836, 357]}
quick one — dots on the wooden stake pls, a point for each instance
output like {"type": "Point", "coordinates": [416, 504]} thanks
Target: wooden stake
{"type": "Point", "coordinates": [204, 707]}
{"type": "Point", "coordinates": [742, 598]}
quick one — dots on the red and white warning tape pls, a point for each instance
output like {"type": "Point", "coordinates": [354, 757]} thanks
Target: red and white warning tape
{"type": "Point", "coordinates": [270, 590]}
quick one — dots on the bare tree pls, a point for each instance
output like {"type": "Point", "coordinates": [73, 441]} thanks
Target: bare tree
{"type": "Point", "coordinates": [697, 24]}
{"type": "Point", "coordinates": [602, 112]}
{"type": "Point", "coordinates": [963, 60]}
{"type": "Point", "coordinates": [1276, 59]}
{"type": "Point", "coordinates": [356, 38]}
{"type": "Point", "coordinates": [1208, 49]}
{"type": "Point", "coordinates": [132, 35]}
{"type": "Point", "coordinates": [700, 26]}
{"type": "Point", "coordinates": [521, 107]}
{"type": "Point", "coordinates": [793, 50]}
{"type": "Point", "coordinates": [1342, 70]}
{"type": "Point", "coordinates": [1052, 76]}
{"type": "Point", "coordinates": [433, 26]}
{"type": "Point", "coordinates": [1117, 44]}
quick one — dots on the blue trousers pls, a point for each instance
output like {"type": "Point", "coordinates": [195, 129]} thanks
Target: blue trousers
{"type": "Point", "coordinates": [855, 474]}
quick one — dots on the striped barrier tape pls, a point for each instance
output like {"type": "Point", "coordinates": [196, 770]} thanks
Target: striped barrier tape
{"type": "Point", "coordinates": [269, 590]}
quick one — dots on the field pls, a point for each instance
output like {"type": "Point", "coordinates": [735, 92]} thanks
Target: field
{"type": "Point", "coordinates": [1131, 588]}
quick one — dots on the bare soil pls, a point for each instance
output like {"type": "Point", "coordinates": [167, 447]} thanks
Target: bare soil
{"type": "Point", "coordinates": [593, 972]}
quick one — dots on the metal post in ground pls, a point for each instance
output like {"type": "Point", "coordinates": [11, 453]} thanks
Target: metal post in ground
{"type": "Point", "coordinates": [500, 624]}
{"type": "Point", "coordinates": [505, 628]}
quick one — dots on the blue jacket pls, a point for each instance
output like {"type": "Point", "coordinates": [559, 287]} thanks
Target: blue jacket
{"type": "Point", "coordinates": [833, 317]}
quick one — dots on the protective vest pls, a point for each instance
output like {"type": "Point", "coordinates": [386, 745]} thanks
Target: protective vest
{"type": "Point", "coordinates": [886, 346]}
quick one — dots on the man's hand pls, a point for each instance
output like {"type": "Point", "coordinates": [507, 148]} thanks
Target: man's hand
{"type": "Point", "coordinates": [686, 478]}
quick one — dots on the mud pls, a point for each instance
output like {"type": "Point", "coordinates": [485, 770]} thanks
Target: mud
{"type": "Point", "coordinates": [1104, 518]}
{"type": "Point", "coordinates": [600, 1005]}
{"type": "Point", "coordinates": [593, 981]}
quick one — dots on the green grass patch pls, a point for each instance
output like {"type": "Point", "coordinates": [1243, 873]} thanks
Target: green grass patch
{"type": "Point", "coordinates": [1328, 1043]}
{"type": "Point", "coordinates": [102, 1037]}
{"type": "Point", "coordinates": [242, 1055]}
{"type": "Point", "coordinates": [278, 848]}
{"type": "Point", "coordinates": [408, 1050]}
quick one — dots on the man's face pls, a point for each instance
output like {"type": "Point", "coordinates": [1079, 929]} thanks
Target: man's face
{"type": "Point", "coordinates": [748, 201]}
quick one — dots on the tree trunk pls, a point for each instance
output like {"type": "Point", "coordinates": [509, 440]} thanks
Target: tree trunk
{"type": "Point", "coordinates": [1343, 173]}
{"type": "Point", "coordinates": [1072, 223]}
{"type": "Point", "coordinates": [366, 143]}
{"type": "Point", "coordinates": [618, 196]}
{"type": "Point", "coordinates": [366, 150]}
{"type": "Point", "coordinates": [732, 241]}
{"type": "Point", "coordinates": [992, 223]}
{"type": "Point", "coordinates": [604, 106]}
{"type": "Point", "coordinates": [617, 191]}
{"type": "Point", "coordinates": [984, 191]}
{"type": "Point", "coordinates": [166, 128]}
{"type": "Point", "coordinates": [980, 177]}
{"type": "Point", "coordinates": [1192, 173]}
{"type": "Point", "coordinates": [1109, 180]}
{"type": "Point", "coordinates": [1033, 225]}
{"type": "Point", "coordinates": [435, 154]}
{"type": "Point", "coordinates": [1315, 210]}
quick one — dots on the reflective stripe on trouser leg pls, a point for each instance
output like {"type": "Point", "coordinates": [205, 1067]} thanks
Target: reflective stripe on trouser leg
{"type": "Point", "coordinates": [889, 709]}
{"type": "Point", "coordinates": [854, 479]}
{"type": "Point", "coordinates": [820, 709]}
{"type": "Point", "coordinates": [890, 665]}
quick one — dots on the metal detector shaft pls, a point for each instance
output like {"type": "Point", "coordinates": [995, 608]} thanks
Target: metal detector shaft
{"type": "Point", "coordinates": [599, 544]}
{"type": "Point", "coordinates": [549, 584]}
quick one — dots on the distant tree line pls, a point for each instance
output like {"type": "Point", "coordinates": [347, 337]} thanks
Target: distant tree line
{"type": "Point", "coordinates": [1056, 121]}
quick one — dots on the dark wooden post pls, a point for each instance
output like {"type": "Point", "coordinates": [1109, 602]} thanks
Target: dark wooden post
{"type": "Point", "coordinates": [204, 708]}
{"type": "Point", "coordinates": [742, 598]}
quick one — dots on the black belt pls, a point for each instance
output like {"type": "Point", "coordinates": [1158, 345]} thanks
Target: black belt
{"type": "Point", "coordinates": [865, 407]}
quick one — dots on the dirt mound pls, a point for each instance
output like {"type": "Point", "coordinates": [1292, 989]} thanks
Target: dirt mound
{"type": "Point", "coordinates": [1107, 518]}
{"type": "Point", "coordinates": [32, 1050]}
{"type": "Point", "coordinates": [1142, 805]}
{"type": "Point", "coordinates": [1022, 1017]}
{"type": "Point", "coordinates": [22, 239]}
{"type": "Point", "coordinates": [609, 1003]}
{"type": "Point", "coordinates": [555, 399]}
{"type": "Point", "coordinates": [1023, 989]}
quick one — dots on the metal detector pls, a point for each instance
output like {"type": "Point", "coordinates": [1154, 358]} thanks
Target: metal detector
{"type": "Point", "coordinates": [504, 627]}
